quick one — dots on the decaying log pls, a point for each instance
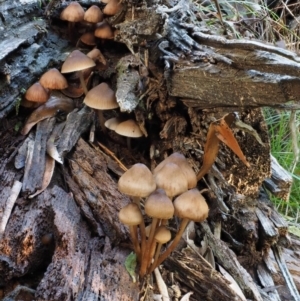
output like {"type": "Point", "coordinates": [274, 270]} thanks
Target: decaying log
{"type": "Point", "coordinates": [280, 182]}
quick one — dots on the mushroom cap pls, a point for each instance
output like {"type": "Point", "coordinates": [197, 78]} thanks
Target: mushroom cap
{"type": "Point", "coordinates": [101, 97]}
{"type": "Point", "coordinates": [73, 12]}
{"type": "Point", "coordinates": [131, 215]}
{"type": "Point", "coordinates": [112, 123]}
{"type": "Point", "coordinates": [181, 161]}
{"type": "Point", "coordinates": [159, 205]}
{"type": "Point", "coordinates": [88, 38]}
{"type": "Point", "coordinates": [137, 181]}
{"type": "Point", "coordinates": [77, 61]}
{"type": "Point", "coordinates": [171, 179]}
{"type": "Point", "coordinates": [53, 80]}
{"type": "Point", "coordinates": [129, 128]}
{"type": "Point", "coordinates": [93, 14]}
{"type": "Point", "coordinates": [37, 93]}
{"type": "Point", "coordinates": [192, 205]}
{"type": "Point", "coordinates": [162, 235]}
{"type": "Point", "coordinates": [112, 7]}
{"type": "Point", "coordinates": [104, 31]}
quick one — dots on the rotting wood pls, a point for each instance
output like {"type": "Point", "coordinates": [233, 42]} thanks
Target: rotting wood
{"type": "Point", "coordinates": [280, 182]}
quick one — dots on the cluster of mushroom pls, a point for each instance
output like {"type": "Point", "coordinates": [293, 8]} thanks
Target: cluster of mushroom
{"type": "Point", "coordinates": [172, 178]}
{"type": "Point", "coordinates": [93, 18]}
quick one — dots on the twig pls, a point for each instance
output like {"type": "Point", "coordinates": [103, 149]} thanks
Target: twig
{"type": "Point", "coordinates": [161, 285]}
{"type": "Point", "coordinates": [110, 153]}
{"type": "Point", "coordinates": [294, 137]}
{"type": "Point", "coordinates": [15, 190]}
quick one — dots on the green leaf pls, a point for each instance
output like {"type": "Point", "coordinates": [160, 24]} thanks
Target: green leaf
{"type": "Point", "coordinates": [130, 265]}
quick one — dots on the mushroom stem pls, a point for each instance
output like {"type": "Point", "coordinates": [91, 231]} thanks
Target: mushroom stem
{"type": "Point", "coordinates": [172, 246]}
{"type": "Point", "coordinates": [143, 238]}
{"type": "Point", "coordinates": [71, 31]}
{"type": "Point", "coordinates": [101, 120]}
{"type": "Point", "coordinates": [136, 245]}
{"type": "Point", "coordinates": [128, 141]}
{"type": "Point", "coordinates": [158, 248]}
{"type": "Point", "coordinates": [147, 255]}
{"type": "Point", "coordinates": [82, 82]}
{"type": "Point", "coordinates": [137, 200]}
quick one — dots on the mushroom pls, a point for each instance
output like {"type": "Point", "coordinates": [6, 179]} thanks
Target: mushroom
{"type": "Point", "coordinates": [112, 7]}
{"type": "Point", "coordinates": [35, 94]}
{"type": "Point", "coordinates": [93, 15]}
{"type": "Point", "coordinates": [171, 178]}
{"type": "Point", "coordinates": [104, 31]}
{"type": "Point", "coordinates": [100, 98]}
{"type": "Point", "coordinates": [160, 207]}
{"type": "Point", "coordinates": [112, 123]}
{"type": "Point", "coordinates": [186, 169]}
{"type": "Point", "coordinates": [77, 61]}
{"type": "Point", "coordinates": [53, 80]}
{"type": "Point", "coordinates": [189, 206]}
{"type": "Point", "coordinates": [131, 216]}
{"type": "Point", "coordinates": [137, 182]}
{"type": "Point", "coordinates": [129, 129]}
{"type": "Point", "coordinates": [162, 236]}
{"type": "Point", "coordinates": [88, 39]}
{"type": "Point", "coordinates": [72, 13]}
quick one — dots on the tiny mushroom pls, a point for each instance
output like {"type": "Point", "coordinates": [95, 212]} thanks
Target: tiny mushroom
{"type": "Point", "coordinates": [160, 207]}
{"type": "Point", "coordinates": [72, 13]}
{"type": "Point", "coordinates": [112, 123]}
{"type": "Point", "coordinates": [77, 61]}
{"type": "Point", "coordinates": [104, 31]}
{"type": "Point", "coordinates": [53, 80]}
{"type": "Point", "coordinates": [129, 129]}
{"type": "Point", "coordinates": [100, 98]}
{"type": "Point", "coordinates": [171, 178]}
{"type": "Point", "coordinates": [113, 7]}
{"type": "Point", "coordinates": [35, 94]}
{"type": "Point", "coordinates": [131, 216]}
{"type": "Point", "coordinates": [88, 39]}
{"type": "Point", "coordinates": [189, 206]}
{"type": "Point", "coordinates": [186, 169]}
{"type": "Point", "coordinates": [93, 15]}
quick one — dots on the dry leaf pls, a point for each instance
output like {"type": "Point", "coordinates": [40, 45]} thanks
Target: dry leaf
{"type": "Point", "coordinates": [186, 297]}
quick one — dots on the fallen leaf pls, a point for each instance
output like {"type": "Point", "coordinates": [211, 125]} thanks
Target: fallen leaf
{"type": "Point", "coordinates": [130, 265]}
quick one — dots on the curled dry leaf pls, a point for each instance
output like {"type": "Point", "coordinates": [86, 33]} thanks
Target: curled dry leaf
{"type": "Point", "coordinates": [186, 297]}
{"type": "Point", "coordinates": [49, 169]}
{"type": "Point", "coordinates": [56, 103]}
{"type": "Point", "coordinates": [219, 131]}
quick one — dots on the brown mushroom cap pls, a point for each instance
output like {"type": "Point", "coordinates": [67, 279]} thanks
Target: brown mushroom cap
{"type": "Point", "coordinates": [88, 38]}
{"type": "Point", "coordinates": [137, 181]}
{"type": "Point", "coordinates": [112, 123]}
{"type": "Point", "coordinates": [77, 61]}
{"type": "Point", "coordinates": [159, 205]}
{"type": "Point", "coordinates": [37, 93]}
{"type": "Point", "coordinates": [104, 31]}
{"type": "Point", "coordinates": [53, 80]}
{"type": "Point", "coordinates": [191, 205]}
{"type": "Point", "coordinates": [162, 235]}
{"type": "Point", "coordinates": [131, 215]}
{"type": "Point", "coordinates": [129, 128]}
{"type": "Point", "coordinates": [181, 161]}
{"type": "Point", "coordinates": [93, 14]}
{"type": "Point", "coordinates": [171, 179]}
{"type": "Point", "coordinates": [101, 97]}
{"type": "Point", "coordinates": [73, 12]}
{"type": "Point", "coordinates": [112, 7]}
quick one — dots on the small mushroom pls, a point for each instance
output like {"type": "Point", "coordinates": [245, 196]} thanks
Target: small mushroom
{"type": "Point", "coordinates": [113, 7]}
{"type": "Point", "coordinates": [189, 206]}
{"type": "Point", "coordinates": [129, 129]}
{"type": "Point", "coordinates": [53, 80]}
{"type": "Point", "coordinates": [93, 15]}
{"type": "Point", "coordinates": [104, 31]}
{"type": "Point", "coordinates": [131, 216]}
{"type": "Point", "coordinates": [88, 39]}
{"type": "Point", "coordinates": [72, 13]}
{"type": "Point", "coordinates": [77, 61]}
{"type": "Point", "coordinates": [35, 94]}
{"type": "Point", "coordinates": [171, 178]}
{"type": "Point", "coordinates": [112, 123]}
{"type": "Point", "coordinates": [160, 207]}
{"type": "Point", "coordinates": [100, 98]}
{"type": "Point", "coordinates": [186, 169]}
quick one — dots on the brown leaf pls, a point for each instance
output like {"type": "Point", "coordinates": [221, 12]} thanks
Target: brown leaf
{"type": "Point", "coordinates": [224, 133]}
{"type": "Point", "coordinates": [211, 149]}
